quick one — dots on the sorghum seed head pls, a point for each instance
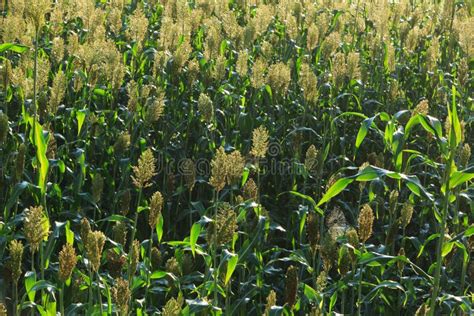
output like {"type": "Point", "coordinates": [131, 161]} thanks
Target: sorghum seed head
{"type": "Point", "coordinates": [422, 108]}
{"type": "Point", "coordinates": [258, 73]}
{"type": "Point", "coordinates": [465, 155]}
{"type": "Point", "coordinates": [115, 262]}
{"type": "Point", "coordinates": [173, 307]}
{"type": "Point", "coordinates": [259, 142]}
{"type": "Point", "coordinates": [156, 109]}
{"type": "Point", "coordinates": [250, 190]}
{"type": "Point", "coordinates": [120, 233]}
{"type": "Point", "coordinates": [134, 256]}
{"type": "Point", "coordinates": [172, 266]}
{"type": "Point", "coordinates": [406, 214]}
{"type": "Point", "coordinates": [218, 169]}
{"type": "Point", "coordinates": [312, 230]}
{"type": "Point", "coordinates": [308, 82]}
{"type": "Point", "coordinates": [322, 280]}
{"type": "Point", "coordinates": [393, 199]}
{"type": "Point", "coordinates": [291, 289]}
{"type": "Point", "coordinates": [401, 264]}
{"type": "Point", "coordinates": [16, 254]}
{"type": "Point", "coordinates": [121, 294]}
{"type": "Point", "coordinates": [366, 220]}
{"type": "Point", "coordinates": [85, 229]}
{"type": "Point", "coordinates": [145, 170]}
{"type": "Point", "coordinates": [94, 246]}
{"type": "Point", "coordinates": [271, 301]}
{"type": "Point", "coordinates": [155, 258]}
{"type": "Point", "coordinates": [279, 77]}
{"type": "Point", "coordinates": [206, 108]}
{"type": "Point", "coordinates": [189, 173]}
{"type": "Point", "coordinates": [352, 237]}
{"type": "Point", "coordinates": [36, 227]}
{"type": "Point", "coordinates": [125, 199]}
{"type": "Point", "coordinates": [67, 262]}
{"type": "Point", "coordinates": [4, 127]}
{"type": "Point", "coordinates": [311, 159]}
{"type": "Point", "coordinates": [3, 310]}
{"type": "Point", "coordinates": [222, 230]}
{"type": "Point", "coordinates": [156, 206]}
{"type": "Point", "coordinates": [97, 187]}
{"type": "Point", "coordinates": [122, 144]}
{"type": "Point", "coordinates": [58, 90]}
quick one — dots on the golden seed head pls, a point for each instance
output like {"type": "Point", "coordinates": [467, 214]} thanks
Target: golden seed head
{"type": "Point", "coordinates": [172, 266]}
{"type": "Point", "coordinates": [271, 301]}
{"type": "Point", "coordinates": [406, 214]}
{"type": "Point", "coordinates": [241, 66]}
{"type": "Point", "coordinates": [36, 227]}
{"type": "Point", "coordinates": [222, 230]}
{"type": "Point", "coordinates": [259, 142]}
{"type": "Point", "coordinates": [393, 199]}
{"type": "Point", "coordinates": [4, 128]}
{"type": "Point", "coordinates": [155, 258]}
{"type": "Point", "coordinates": [121, 295]}
{"type": "Point", "coordinates": [67, 262]}
{"type": "Point", "coordinates": [322, 280]}
{"type": "Point", "coordinates": [401, 264]}
{"type": "Point", "coordinates": [36, 11]}
{"type": "Point", "coordinates": [331, 43]}
{"type": "Point", "coordinates": [58, 90]}
{"type": "Point", "coordinates": [312, 37]}
{"type": "Point", "coordinates": [173, 307]}
{"type": "Point", "coordinates": [206, 108]}
{"type": "Point", "coordinates": [312, 231]}
{"type": "Point", "coordinates": [97, 187]}
{"type": "Point", "coordinates": [465, 155]}
{"type": "Point", "coordinates": [16, 254]}
{"type": "Point", "coordinates": [336, 223]}
{"type": "Point", "coordinates": [156, 109]}
{"type": "Point", "coordinates": [235, 164]}
{"type": "Point", "coordinates": [352, 237]}
{"type": "Point", "coordinates": [85, 229]}
{"type": "Point", "coordinates": [134, 256]}
{"type": "Point", "coordinates": [137, 27]}
{"type": "Point", "coordinates": [250, 190]}
{"type": "Point", "coordinates": [124, 204]}
{"type": "Point", "coordinates": [3, 310]}
{"type": "Point", "coordinates": [311, 159]}
{"type": "Point", "coordinates": [189, 173]}
{"type": "Point", "coordinates": [422, 108]}
{"type": "Point", "coordinates": [219, 169]}
{"type": "Point", "coordinates": [366, 220]}
{"type": "Point", "coordinates": [145, 170]}
{"type": "Point", "coordinates": [219, 70]}
{"type": "Point", "coordinates": [291, 289]}
{"type": "Point", "coordinates": [120, 233]}
{"type": "Point", "coordinates": [258, 73]}
{"type": "Point", "coordinates": [308, 82]}
{"type": "Point", "coordinates": [156, 206]}
{"type": "Point", "coordinates": [279, 77]}
{"type": "Point", "coordinates": [133, 96]}
{"type": "Point", "coordinates": [122, 143]}
{"type": "Point", "coordinates": [94, 246]}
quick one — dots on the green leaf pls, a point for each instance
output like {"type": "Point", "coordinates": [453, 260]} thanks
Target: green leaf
{"type": "Point", "coordinates": [69, 233]}
{"type": "Point", "coordinates": [16, 48]}
{"type": "Point", "coordinates": [307, 198]}
{"type": "Point", "coordinates": [231, 265]}
{"type": "Point", "coordinates": [363, 130]}
{"type": "Point", "coordinates": [30, 280]}
{"type": "Point", "coordinates": [459, 177]}
{"type": "Point", "coordinates": [335, 189]}
{"type": "Point", "coordinates": [447, 249]}
{"type": "Point", "coordinates": [195, 231]}
{"type": "Point", "coordinates": [80, 116]}
{"type": "Point", "coordinates": [158, 275]}
{"type": "Point", "coordinates": [455, 124]}
{"type": "Point", "coordinates": [310, 293]}
{"type": "Point", "coordinates": [41, 147]}
{"type": "Point", "coordinates": [159, 227]}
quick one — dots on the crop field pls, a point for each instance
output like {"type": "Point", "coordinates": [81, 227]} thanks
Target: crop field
{"type": "Point", "coordinates": [236, 157]}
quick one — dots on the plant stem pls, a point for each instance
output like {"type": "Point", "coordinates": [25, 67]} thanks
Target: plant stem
{"type": "Point", "coordinates": [134, 230]}
{"type": "Point", "coordinates": [91, 276]}
{"type": "Point", "coordinates": [61, 299]}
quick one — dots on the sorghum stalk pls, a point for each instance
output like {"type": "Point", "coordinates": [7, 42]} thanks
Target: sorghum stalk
{"type": "Point", "coordinates": [61, 299]}
{"type": "Point", "coordinates": [442, 230]}
{"type": "Point", "coordinates": [134, 230]}
{"type": "Point", "coordinates": [214, 246]}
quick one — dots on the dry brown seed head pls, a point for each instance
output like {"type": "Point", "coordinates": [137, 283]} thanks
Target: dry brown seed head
{"type": "Point", "coordinates": [4, 128]}
{"type": "Point", "coordinates": [155, 258]}
{"type": "Point", "coordinates": [121, 294]}
{"type": "Point", "coordinates": [291, 290]}
{"type": "Point", "coordinates": [366, 220]}
{"type": "Point", "coordinates": [120, 233]}
{"type": "Point", "coordinates": [250, 190]}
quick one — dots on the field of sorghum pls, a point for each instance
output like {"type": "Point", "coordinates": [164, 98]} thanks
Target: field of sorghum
{"type": "Point", "coordinates": [241, 157]}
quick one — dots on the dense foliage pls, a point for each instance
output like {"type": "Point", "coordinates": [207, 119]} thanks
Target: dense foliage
{"type": "Point", "coordinates": [271, 157]}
